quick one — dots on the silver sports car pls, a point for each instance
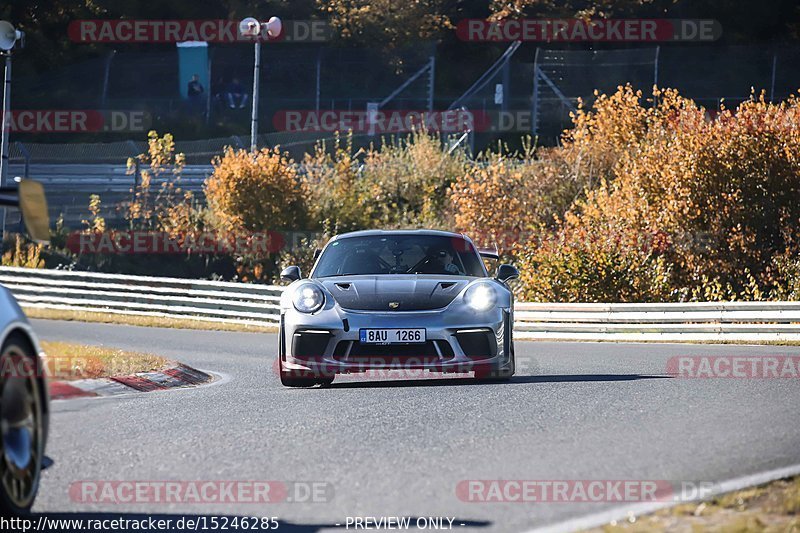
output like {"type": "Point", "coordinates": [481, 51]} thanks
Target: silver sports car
{"type": "Point", "coordinates": [24, 402]}
{"type": "Point", "coordinates": [405, 299]}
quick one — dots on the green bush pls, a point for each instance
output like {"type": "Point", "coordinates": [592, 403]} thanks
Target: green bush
{"type": "Point", "coordinates": [403, 183]}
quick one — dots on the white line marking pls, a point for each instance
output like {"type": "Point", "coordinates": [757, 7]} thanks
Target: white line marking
{"type": "Point", "coordinates": [621, 513]}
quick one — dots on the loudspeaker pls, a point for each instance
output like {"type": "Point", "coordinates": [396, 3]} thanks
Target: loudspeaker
{"type": "Point", "coordinates": [273, 27]}
{"type": "Point", "coordinates": [8, 35]}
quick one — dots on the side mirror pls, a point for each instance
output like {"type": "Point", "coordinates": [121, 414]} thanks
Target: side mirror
{"type": "Point", "coordinates": [33, 205]}
{"type": "Point", "coordinates": [291, 273]}
{"type": "Point", "coordinates": [506, 273]}
{"type": "Point", "coordinates": [29, 197]}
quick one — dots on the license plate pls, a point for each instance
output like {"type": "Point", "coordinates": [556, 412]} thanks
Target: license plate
{"type": "Point", "coordinates": [392, 336]}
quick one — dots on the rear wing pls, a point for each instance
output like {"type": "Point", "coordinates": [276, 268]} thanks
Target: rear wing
{"type": "Point", "coordinates": [489, 253]}
{"type": "Point", "coordinates": [29, 197]}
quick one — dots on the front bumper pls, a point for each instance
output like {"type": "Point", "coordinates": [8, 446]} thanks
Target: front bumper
{"type": "Point", "coordinates": [328, 342]}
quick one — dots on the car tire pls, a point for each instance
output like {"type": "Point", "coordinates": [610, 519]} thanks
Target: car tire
{"type": "Point", "coordinates": [499, 374]}
{"type": "Point", "coordinates": [295, 382]}
{"type": "Point", "coordinates": [326, 381]}
{"type": "Point", "coordinates": [300, 382]}
{"type": "Point", "coordinates": [288, 380]}
{"type": "Point", "coordinates": [22, 426]}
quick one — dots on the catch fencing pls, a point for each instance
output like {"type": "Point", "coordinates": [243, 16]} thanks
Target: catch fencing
{"type": "Point", "coordinates": [259, 305]}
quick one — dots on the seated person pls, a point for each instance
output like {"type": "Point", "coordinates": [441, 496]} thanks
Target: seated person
{"type": "Point", "coordinates": [446, 257]}
{"type": "Point", "coordinates": [235, 94]}
{"type": "Point", "coordinates": [441, 262]}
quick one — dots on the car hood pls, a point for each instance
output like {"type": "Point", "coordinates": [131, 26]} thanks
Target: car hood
{"type": "Point", "coordinates": [394, 292]}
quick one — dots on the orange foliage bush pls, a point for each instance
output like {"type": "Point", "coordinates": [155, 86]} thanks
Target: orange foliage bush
{"type": "Point", "coordinates": [692, 209]}
{"type": "Point", "coordinates": [511, 197]}
{"type": "Point", "coordinates": [158, 184]}
{"type": "Point", "coordinates": [498, 202]}
{"type": "Point", "coordinates": [255, 192]}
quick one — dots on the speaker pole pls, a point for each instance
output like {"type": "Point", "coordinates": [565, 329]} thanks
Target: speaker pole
{"type": "Point", "coordinates": [6, 126]}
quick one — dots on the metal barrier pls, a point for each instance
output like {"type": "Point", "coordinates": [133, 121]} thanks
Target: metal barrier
{"type": "Point", "coordinates": [69, 187]}
{"type": "Point", "coordinates": [666, 322]}
{"type": "Point", "coordinates": [143, 295]}
{"type": "Point", "coordinates": [259, 304]}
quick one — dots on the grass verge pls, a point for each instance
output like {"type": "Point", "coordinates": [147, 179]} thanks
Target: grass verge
{"type": "Point", "coordinates": [771, 508]}
{"type": "Point", "coordinates": [147, 321]}
{"type": "Point", "coordinates": [66, 361]}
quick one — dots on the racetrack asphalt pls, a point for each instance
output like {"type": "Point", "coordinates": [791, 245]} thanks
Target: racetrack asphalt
{"type": "Point", "coordinates": [575, 411]}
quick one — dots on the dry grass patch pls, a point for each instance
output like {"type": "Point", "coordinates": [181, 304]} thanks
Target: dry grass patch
{"type": "Point", "coordinates": [770, 508]}
{"type": "Point", "coordinates": [66, 361]}
{"type": "Point", "coordinates": [146, 321]}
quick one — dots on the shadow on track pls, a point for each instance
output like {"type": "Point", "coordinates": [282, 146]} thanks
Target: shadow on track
{"type": "Point", "coordinates": [69, 522]}
{"type": "Point", "coordinates": [516, 380]}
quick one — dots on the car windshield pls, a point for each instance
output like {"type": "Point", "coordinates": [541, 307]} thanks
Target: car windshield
{"type": "Point", "coordinates": [400, 254]}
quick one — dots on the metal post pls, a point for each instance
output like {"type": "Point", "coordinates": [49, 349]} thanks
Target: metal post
{"type": "Point", "coordinates": [254, 114]}
{"type": "Point", "coordinates": [655, 67]}
{"type": "Point", "coordinates": [6, 122]}
{"type": "Point", "coordinates": [505, 76]}
{"type": "Point", "coordinates": [772, 85]}
{"type": "Point", "coordinates": [6, 126]}
{"type": "Point", "coordinates": [106, 75]}
{"type": "Point", "coordinates": [209, 89]}
{"type": "Point", "coordinates": [319, 68]}
{"type": "Point", "coordinates": [535, 99]}
{"type": "Point", "coordinates": [431, 80]}
{"type": "Point", "coordinates": [26, 156]}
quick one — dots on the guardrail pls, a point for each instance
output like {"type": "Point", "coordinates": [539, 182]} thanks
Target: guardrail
{"type": "Point", "coordinates": [691, 321]}
{"type": "Point", "coordinates": [68, 186]}
{"type": "Point", "coordinates": [143, 295]}
{"type": "Point", "coordinates": [258, 304]}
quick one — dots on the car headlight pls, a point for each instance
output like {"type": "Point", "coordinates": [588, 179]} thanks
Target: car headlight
{"type": "Point", "coordinates": [480, 296]}
{"type": "Point", "coordinates": [308, 298]}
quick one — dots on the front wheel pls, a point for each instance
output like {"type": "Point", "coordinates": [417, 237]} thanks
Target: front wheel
{"type": "Point", "coordinates": [21, 427]}
{"type": "Point", "coordinates": [503, 373]}
{"type": "Point", "coordinates": [303, 379]}
{"type": "Point", "coordinates": [287, 380]}
{"type": "Point", "coordinates": [306, 379]}
{"type": "Point", "coordinates": [291, 381]}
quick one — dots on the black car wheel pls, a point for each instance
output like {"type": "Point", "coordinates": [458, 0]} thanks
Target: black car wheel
{"type": "Point", "coordinates": [21, 426]}
{"type": "Point", "coordinates": [287, 380]}
{"type": "Point", "coordinates": [499, 374]}
{"type": "Point", "coordinates": [302, 380]}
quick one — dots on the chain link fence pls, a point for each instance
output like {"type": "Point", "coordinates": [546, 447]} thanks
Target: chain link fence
{"type": "Point", "coordinates": [520, 89]}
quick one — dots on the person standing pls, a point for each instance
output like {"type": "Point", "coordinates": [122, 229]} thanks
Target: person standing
{"type": "Point", "coordinates": [195, 92]}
